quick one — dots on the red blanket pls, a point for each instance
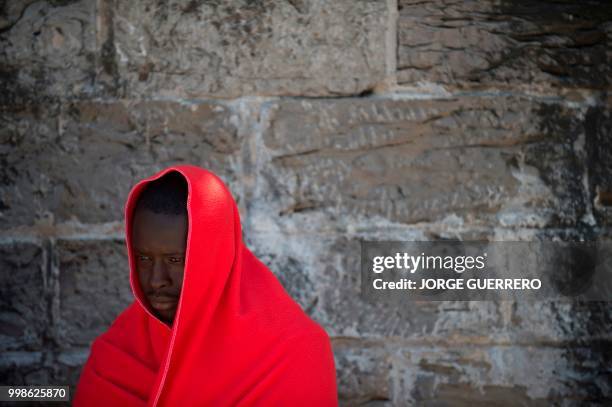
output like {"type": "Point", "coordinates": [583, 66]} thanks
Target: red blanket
{"type": "Point", "coordinates": [237, 337]}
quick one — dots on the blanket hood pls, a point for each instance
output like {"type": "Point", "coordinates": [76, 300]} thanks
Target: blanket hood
{"type": "Point", "coordinates": [214, 238]}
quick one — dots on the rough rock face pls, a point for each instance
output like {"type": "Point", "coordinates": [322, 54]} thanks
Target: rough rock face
{"type": "Point", "coordinates": [267, 47]}
{"type": "Point", "coordinates": [392, 158]}
{"type": "Point", "coordinates": [55, 150]}
{"type": "Point", "coordinates": [505, 44]}
{"type": "Point", "coordinates": [332, 122]}
{"type": "Point", "coordinates": [48, 50]}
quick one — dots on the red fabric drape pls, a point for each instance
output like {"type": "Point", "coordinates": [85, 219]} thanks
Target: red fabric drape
{"type": "Point", "coordinates": [237, 338]}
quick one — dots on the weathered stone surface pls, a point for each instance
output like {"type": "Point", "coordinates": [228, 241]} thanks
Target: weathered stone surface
{"type": "Point", "coordinates": [11, 11]}
{"type": "Point", "coordinates": [48, 50]}
{"type": "Point", "coordinates": [505, 44]}
{"type": "Point", "coordinates": [288, 260]}
{"type": "Point", "coordinates": [24, 308]}
{"type": "Point", "coordinates": [84, 163]}
{"type": "Point", "coordinates": [28, 368]}
{"type": "Point", "coordinates": [379, 373]}
{"type": "Point", "coordinates": [20, 368]}
{"type": "Point", "coordinates": [363, 373]}
{"type": "Point", "coordinates": [598, 122]}
{"type": "Point", "coordinates": [558, 321]}
{"type": "Point", "coordinates": [505, 161]}
{"type": "Point", "coordinates": [68, 366]}
{"type": "Point", "coordinates": [201, 48]}
{"type": "Point", "coordinates": [94, 288]}
{"type": "Point", "coordinates": [25, 135]}
{"type": "Point", "coordinates": [506, 375]}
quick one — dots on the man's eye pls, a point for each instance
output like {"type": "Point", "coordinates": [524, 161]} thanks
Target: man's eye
{"type": "Point", "coordinates": [176, 259]}
{"type": "Point", "coordinates": [143, 258]}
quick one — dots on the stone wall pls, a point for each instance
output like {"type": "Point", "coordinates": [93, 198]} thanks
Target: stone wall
{"type": "Point", "coordinates": [332, 121]}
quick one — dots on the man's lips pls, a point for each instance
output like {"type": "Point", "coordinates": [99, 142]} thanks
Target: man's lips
{"type": "Point", "coordinates": [163, 303]}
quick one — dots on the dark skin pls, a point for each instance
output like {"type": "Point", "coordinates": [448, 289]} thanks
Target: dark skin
{"type": "Point", "coordinates": [159, 242]}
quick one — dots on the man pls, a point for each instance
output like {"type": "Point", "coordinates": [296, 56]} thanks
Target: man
{"type": "Point", "coordinates": [159, 242]}
{"type": "Point", "coordinates": [211, 325]}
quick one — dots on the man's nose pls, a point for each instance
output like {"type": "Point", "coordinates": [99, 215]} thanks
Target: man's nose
{"type": "Point", "coordinates": [159, 276]}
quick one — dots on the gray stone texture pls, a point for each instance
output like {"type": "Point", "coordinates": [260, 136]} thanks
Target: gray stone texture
{"type": "Point", "coordinates": [23, 296]}
{"type": "Point", "coordinates": [505, 44]}
{"type": "Point", "coordinates": [49, 154]}
{"type": "Point", "coordinates": [94, 289]}
{"type": "Point", "coordinates": [364, 372]}
{"type": "Point", "coordinates": [599, 147]}
{"type": "Point", "coordinates": [332, 122]}
{"type": "Point", "coordinates": [227, 49]}
{"type": "Point", "coordinates": [47, 49]}
{"type": "Point", "coordinates": [500, 161]}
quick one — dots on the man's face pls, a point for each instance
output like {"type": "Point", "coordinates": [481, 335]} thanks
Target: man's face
{"type": "Point", "coordinates": [159, 242]}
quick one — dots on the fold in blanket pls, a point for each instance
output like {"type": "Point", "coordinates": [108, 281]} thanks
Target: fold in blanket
{"type": "Point", "coordinates": [237, 339]}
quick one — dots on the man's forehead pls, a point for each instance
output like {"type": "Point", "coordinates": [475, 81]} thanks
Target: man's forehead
{"type": "Point", "coordinates": [150, 220]}
{"type": "Point", "coordinates": [165, 251]}
{"type": "Point", "coordinates": [154, 232]}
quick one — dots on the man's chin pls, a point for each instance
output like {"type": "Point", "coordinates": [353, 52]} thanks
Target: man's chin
{"type": "Point", "coordinates": [164, 316]}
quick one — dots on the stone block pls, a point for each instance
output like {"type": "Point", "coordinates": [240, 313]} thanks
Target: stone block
{"type": "Point", "coordinates": [291, 264]}
{"type": "Point", "coordinates": [558, 321]}
{"type": "Point", "coordinates": [482, 376]}
{"type": "Point", "coordinates": [83, 164]}
{"type": "Point", "coordinates": [506, 161]}
{"type": "Point", "coordinates": [228, 49]}
{"type": "Point", "coordinates": [364, 373]}
{"type": "Point", "coordinates": [20, 368]}
{"type": "Point", "coordinates": [505, 44]}
{"type": "Point", "coordinates": [24, 296]}
{"type": "Point", "coordinates": [598, 146]}
{"type": "Point", "coordinates": [94, 289]}
{"type": "Point", "coordinates": [68, 366]}
{"type": "Point", "coordinates": [48, 50]}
